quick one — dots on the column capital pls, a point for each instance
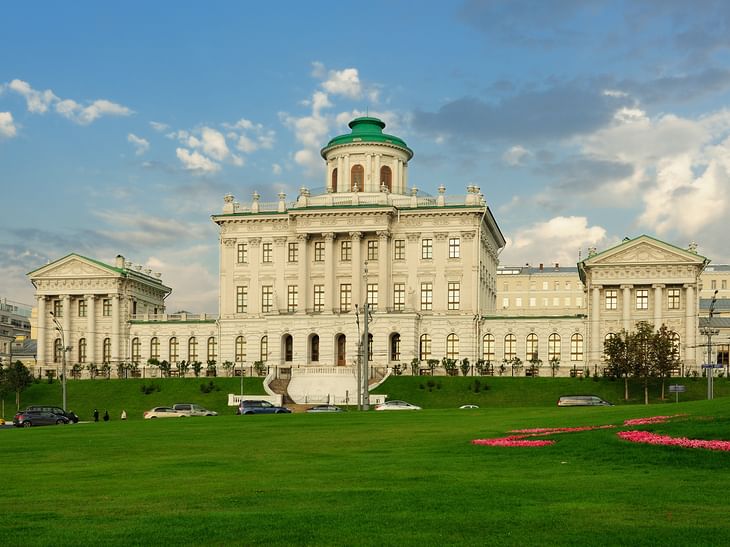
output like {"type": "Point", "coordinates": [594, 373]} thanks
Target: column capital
{"type": "Point", "coordinates": [357, 236]}
{"type": "Point", "coordinates": [624, 287]}
{"type": "Point", "coordinates": [279, 241]}
{"type": "Point", "coordinates": [303, 237]}
{"type": "Point", "coordinates": [596, 287]}
{"type": "Point", "coordinates": [658, 286]}
{"type": "Point", "coordinates": [383, 234]}
{"type": "Point", "coordinates": [329, 236]}
{"type": "Point", "coordinates": [255, 241]}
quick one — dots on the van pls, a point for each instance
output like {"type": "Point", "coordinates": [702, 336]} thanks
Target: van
{"type": "Point", "coordinates": [582, 400]}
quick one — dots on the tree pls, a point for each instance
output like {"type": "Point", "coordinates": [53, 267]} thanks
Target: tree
{"type": "Point", "coordinates": [643, 362]}
{"type": "Point", "coordinates": [554, 366]}
{"type": "Point", "coordinates": [617, 352]}
{"type": "Point", "coordinates": [665, 354]}
{"type": "Point", "coordinates": [17, 377]}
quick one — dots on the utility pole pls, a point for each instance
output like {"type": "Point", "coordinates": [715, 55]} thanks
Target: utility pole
{"type": "Point", "coordinates": [709, 332]}
{"type": "Point", "coordinates": [365, 344]}
{"type": "Point", "coordinates": [359, 359]}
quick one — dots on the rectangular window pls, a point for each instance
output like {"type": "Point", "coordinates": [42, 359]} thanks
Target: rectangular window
{"type": "Point", "coordinates": [267, 298]}
{"type": "Point", "coordinates": [611, 299]}
{"type": "Point", "coordinates": [713, 284]}
{"type": "Point", "coordinates": [673, 299]}
{"type": "Point", "coordinates": [292, 298]}
{"type": "Point", "coordinates": [293, 252]}
{"type": "Point", "coordinates": [533, 302]}
{"type": "Point", "coordinates": [372, 249]}
{"type": "Point", "coordinates": [318, 301]}
{"type": "Point", "coordinates": [454, 247]}
{"type": "Point", "coordinates": [319, 251]}
{"type": "Point", "coordinates": [241, 299]}
{"type": "Point", "coordinates": [557, 285]}
{"type": "Point", "coordinates": [505, 302]}
{"type": "Point", "coordinates": [345, 297]}
{"type": "Point", "coordinates": [106, 307]}
{"type": "Point", "coordinates": [242, 253]}
{"type": "Point", "coordinates": [544, 285]}
{"type": "Point", "coordinates": [518, 302]}
{"type": "Point", "coordinates": [399, 249]}
{"type": "Point", "coordinates": [427, 296]}
{"type": "Point", "coordinates": [567, 300]}
{"type": "Point", "coordinates": [346, 251]}
{"type": "Point", "coordinates": [267, 252]}
{"type": "Point", "coordinates": [454, 295]}
{"type": "Point", "coordinates": [723, 284]}
{"type": "Point", "coordinates": [642, 299]}
{"type": "Point", "coordinates": [372, 295]}
{"type": "Point", "coordinates": [556, 301]}
{"type": "Point", "coordinates": [567, 285]}
{"type": "Point", "coordinates": [427, 249]}
{"type": "Point", "coordinates": [399, 296]}
{"type": "Point", "coordinates": [82, 307]}
{"type": "Point", "coordinates": [57, 308]}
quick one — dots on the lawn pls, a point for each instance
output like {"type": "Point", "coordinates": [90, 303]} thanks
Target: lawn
{"type": "Point", "coordinates": [409, 478]}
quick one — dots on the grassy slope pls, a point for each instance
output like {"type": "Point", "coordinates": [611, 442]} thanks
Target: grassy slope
{"type": "Point", "coordinates": [452, 392]}
{"type": "Point", "coordinates": [114, 395]}
{"type": "Point", "coordinates": [409, 478]}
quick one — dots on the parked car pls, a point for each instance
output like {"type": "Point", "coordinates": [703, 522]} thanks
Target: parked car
{"type": "Point", "coordinates": [466, 407]}
{"type": "Point", "coordinates": [30, 418]}
{"type": "Point", "coordinates": [395, 404]}
{"type": "Point", "coordinates": [192, 409]}
{"type": "Point", "coordinates": [261, 407]}
{"type": "Point", "coordinates": [55, 410]}
{"type": "Point", "coordinates": [163, 412]}
{"type": "Point", "coordinates": [2, 421]}
{"type": "Point", "coordinates": [324, 408]}
{"type": "Point", "coordinates": [582, 400]}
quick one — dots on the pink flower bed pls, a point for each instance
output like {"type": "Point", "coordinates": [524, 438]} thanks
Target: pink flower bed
{"type": "Point", "coordinates": [652, 438]}
{"type": "Point", "coordinates": [651, 420]}
{"type": "Point", "coordinates": [551, 430]}
{"type": "Point", "coordinates": [513, 440]}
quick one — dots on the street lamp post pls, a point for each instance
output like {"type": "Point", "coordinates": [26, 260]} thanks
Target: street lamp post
{"type": "Point", "coordinates": [710, 332]}
{"type": "Point", "coordinates": [64, 349]}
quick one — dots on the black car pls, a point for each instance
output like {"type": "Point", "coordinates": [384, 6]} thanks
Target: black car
{"type": "Point", "coordinates": [260, 407]}
{"type": "Point", "coordinates": [54, 410]}
{"type": "Point", "coordinates": [30, 418]}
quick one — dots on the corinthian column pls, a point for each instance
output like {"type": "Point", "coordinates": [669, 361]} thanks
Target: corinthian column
{"type": "Point", "coordinates": [357, 272]}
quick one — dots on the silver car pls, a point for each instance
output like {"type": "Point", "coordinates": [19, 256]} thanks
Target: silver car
{"type": "Point", "coordinates": [397, 405]}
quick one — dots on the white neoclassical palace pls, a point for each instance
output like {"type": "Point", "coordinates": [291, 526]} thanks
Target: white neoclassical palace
{"type": "Point", "coordinates": [294, 277]}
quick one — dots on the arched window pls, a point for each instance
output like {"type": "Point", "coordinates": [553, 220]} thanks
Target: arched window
{"type": "Point", "coordinates": [288, 348]}
{"type": "Point", "coordinates": [386, 178]}
{"type": "Point", "coordinates": [192, 349]}
{"type": "Point", "coordinates": [370, 346]}
{"type": "Point", "coordinates": [264, 349]}
{"type": "Point", "coordinates": [240, 349]}
{"type": "Point", "coordinates": [357, 178]}
{"type": "Point", "coordinates": [531, 347]}
{"type": "Point", "coordinates": [106, 354]}
{"type": "Point", "coordinates": [452, 346]}
{"type": "Point", "coordinates": [488, 348]}
{"type": "Point", "coordinates": [314, 349]}
{"type": "Point", "coordinates": [576, 347]}
{"type": "Point", "coordinates": [510, 347]}
{"type": "Point", "coordinates": [57, 350]}
{"type": "Point", "coordinates": [212, 349]}
{"type": "Point", "coordinates": [395, 347]}
{"type": "Point", "coordinates": [554, 347]}
{"type": "Point", "coordinates": [82, 350]}
{"type": "Point", "coordinates": [424, 347]}
{"type": "Point", "coordinates": [174, 350]}
{"type": "Point", "coordinates": [334, 179]}
{"type": "Point", "coordinates": [154, 348]}
{"type": "Point", "coordinates": [136, 351]}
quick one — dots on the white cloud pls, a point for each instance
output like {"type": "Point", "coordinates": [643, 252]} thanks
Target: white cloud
{"type": "Point", "coordinates": [344, 82]}
{"type": "Point", "coordinates": [159, 127]}
{"type": "Point", "coordinates": [563, 236]}
{"type": "Point", "coordinates": [36, 101]}
{"type": "Point", "coordinates": [213, 144]}
{"type": "Point", "coordinates": [246, 145]}
{"type": "Point", "coordinates": [196, 162]}
{"type": "Point", "coordinates": [141, 145]}
{"type": "Point", "coordinates": [514, 156]}
{"type": "Point", "coordinates": [7, 127]}
{"type": "Point", "coordinates": [276, 169]}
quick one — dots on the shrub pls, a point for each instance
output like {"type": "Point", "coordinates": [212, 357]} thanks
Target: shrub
{"type": "Point", "coordinates": [431, 384]}
{"type": "Point", "coordinates": [149, 388]}
{"type": "Point", "coordinates": [209, 387]}
{"type": "Point", "coordinates": [465, 366]}
{"type": "Point", "coordinates": [415, 362]}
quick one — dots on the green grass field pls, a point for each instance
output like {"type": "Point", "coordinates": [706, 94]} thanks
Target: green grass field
{"type": "Point", "coordinates": [409, 478]}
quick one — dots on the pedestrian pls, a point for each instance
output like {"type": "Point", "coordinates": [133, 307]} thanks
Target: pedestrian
{"type": "Point", "coordinates": [106, 415]}
{"type": "Point", "coordinates": [96, 415]}
{"type": "Point", "coordinates": [124, 414]}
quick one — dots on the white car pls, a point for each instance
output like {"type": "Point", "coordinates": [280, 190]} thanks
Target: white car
{"type": "Point", "coordinates": [397, 405]}
{"type": "Point", "coordinates": [467, 407]}
{"type": "Point", "coordinates": [163, 412]}
{"type": "Point", "coordinates": [192, 409]}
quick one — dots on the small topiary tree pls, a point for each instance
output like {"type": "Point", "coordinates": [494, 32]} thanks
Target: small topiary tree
{"type": "Point", "coordinates": [554, 365]}
{"type": "Point", "coordinates": [415, 365]}
{"type": "Point", "coordinates": [465, 366]}
{"type": "Point", "coordinates": [197, 366]}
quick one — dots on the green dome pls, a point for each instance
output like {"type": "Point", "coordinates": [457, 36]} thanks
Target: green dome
{"type": "Point", "coordinates": [367, 129]}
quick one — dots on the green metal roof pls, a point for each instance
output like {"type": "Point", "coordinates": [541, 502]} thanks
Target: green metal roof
{"type": "Point", "coordinates": [367, 129]}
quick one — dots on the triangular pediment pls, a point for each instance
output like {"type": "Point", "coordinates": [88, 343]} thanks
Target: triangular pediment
{"type": "Point", "coordinates": [73, 266]}
{"type": "Point", "coordinates": [644, 250]}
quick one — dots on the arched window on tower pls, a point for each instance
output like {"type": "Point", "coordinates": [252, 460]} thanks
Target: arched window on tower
{"type": "Point", "coordinates": [357, 178]}
{"type": "Point", "coordinates": [386, 178]}
{"type": "Point", "coordinates": [334, 179]}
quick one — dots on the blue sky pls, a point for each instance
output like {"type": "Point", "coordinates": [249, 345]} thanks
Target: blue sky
{"type": "Point", "coordinates": [122, 126]}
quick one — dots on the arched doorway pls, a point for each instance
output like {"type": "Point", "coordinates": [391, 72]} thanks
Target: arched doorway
{"type": "Point", "coordinates": [341, 344]}
{"type": "Point", "coordinates": [288, 347]}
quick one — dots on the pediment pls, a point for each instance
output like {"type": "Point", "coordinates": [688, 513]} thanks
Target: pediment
{"type": "Point", "coordinates": [72, 267]}
{"type": "Point", "coordinates": [644, 251]}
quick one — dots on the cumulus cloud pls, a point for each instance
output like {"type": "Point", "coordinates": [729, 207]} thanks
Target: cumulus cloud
{"type": "Point", "coordinates": [159, 127]}
{"type": "Point", "coordinates": [564, 236]}
{"type": "Point", "coordinates": [39, 102]}
{"type": "Point", "coordinates": [344, 82]}
{"type": "Point", "coordinates": [7, 126]}
{"type": "Point", "coordinates": [196, 162]}
{"type": "Point", "coordinates": [515, 155]}
{"type": "Point", "coordinates": [141, 145]}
